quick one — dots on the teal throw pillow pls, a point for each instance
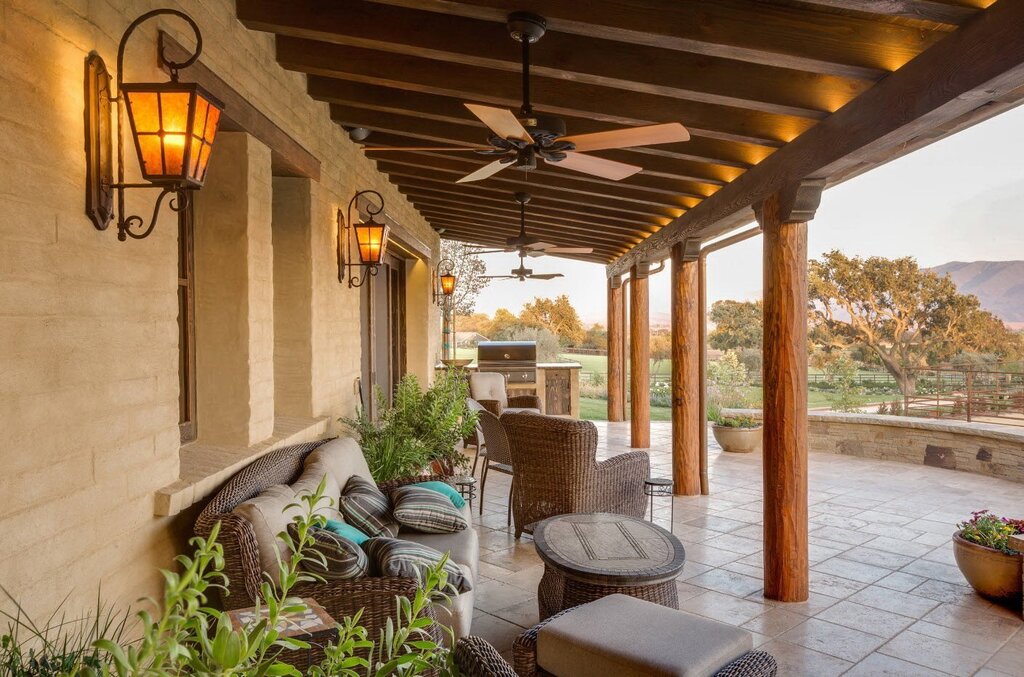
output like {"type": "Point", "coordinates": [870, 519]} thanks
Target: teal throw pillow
{"type": "Point", "coordinates": [444, 488]}
{"type": "Point", "coordinates": [346, 531]}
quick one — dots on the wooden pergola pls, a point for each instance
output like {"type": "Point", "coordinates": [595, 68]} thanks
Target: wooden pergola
{"type": "Point", "coordinates": [782, 99]}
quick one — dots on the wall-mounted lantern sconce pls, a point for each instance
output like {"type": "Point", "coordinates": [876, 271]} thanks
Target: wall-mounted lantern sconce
{"type": "Point", "coordinates": [444, 281]}
{"type": "Point", "coordinates": [371, 241]}
{"type": "Point", "coordinates": [173, 125]}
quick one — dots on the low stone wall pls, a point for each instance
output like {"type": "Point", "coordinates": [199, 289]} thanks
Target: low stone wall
{"type": "Point", "coordinates": [983, 449]}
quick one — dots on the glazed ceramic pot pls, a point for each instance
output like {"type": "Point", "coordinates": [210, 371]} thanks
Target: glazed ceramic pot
{"type": "Point", "coordinates": [738, 440]}
{"type": "Point", "coordinates": [991, 573]}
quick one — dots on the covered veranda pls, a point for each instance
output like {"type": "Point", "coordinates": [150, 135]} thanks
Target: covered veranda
{"type": "Point", "coordinates": [781, 99]}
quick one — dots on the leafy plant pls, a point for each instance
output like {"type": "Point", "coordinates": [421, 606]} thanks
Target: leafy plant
{"type": "Point", "coordinates": [739, 422]}
{"type": "Point", "coordinates": [842, 372]}
{"type": "Point", "coordinates": [727, 382]}
{"type": "Point", "coordinates": [990, 531]}
{"type": "Point", "coordinates": [421, 426]}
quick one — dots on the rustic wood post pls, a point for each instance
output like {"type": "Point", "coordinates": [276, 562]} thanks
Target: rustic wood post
{"type": "Point", "coordinates": [616, 348]}
{"type": "Point", "coordinates": [687, 417]}
{"type": "Point", "coordinates": [784, 216]}
{"type": "Point", "coordinates": [639, 358]}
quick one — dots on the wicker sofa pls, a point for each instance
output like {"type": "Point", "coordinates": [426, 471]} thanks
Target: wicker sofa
{"type": "Point", "coordinates": [556, 472]}
{"type": "Point", "coordinates": [374, 594]}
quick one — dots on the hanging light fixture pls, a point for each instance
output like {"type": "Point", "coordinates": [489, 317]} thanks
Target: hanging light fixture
{"type": "Point", "coordinates": [173, 125]}
{"type": "Point", "coordinates": [444, 276]}
{"type": "Point", "coordinates": [371, 241]}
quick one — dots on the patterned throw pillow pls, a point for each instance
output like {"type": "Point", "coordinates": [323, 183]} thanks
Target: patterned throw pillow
{"type": "Point", "coordinates": [344, 559]}
{"type": "Point", "coordinates": [444, 488]}
{"type": "Point", "coordinates": [426, 511]}
{"type": "Point", "coordinates": [405, 559]}
{"type": "Point", "coordinates": [366, 508]}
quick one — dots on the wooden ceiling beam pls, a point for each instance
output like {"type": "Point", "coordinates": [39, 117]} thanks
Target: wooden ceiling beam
{"type": "Point", "coordinates": [603, 204]}
{"type": "Point", "coordinates": [582, 213]}
{"type": "Point", "coordinates": [554, 216]}
{"type": "Point", "coordinates": [595, 232]}
{"type": "Point", "coordinates": [976, 65]}
{"type": "Point", "coordinates": [636, 68]}
{"type": "Point", "coordinates": [482, 228]}
{"type": "Point", "coordinates": [937, 11]}
{"type": "Point", "coordinates": [687, 160]}
{"type": "Point", "coordinates": [747, 30]}
{"type": "Point", "coordinates": [549, 95]}
{"type": "Point", "coordinates": [511, 183]}
{"type": "Point", "coordinates": [471, 235]}
{"type": "Point", "coordinates": [547, 172]}
{"type": "Point", "coordinates": [554, 236]}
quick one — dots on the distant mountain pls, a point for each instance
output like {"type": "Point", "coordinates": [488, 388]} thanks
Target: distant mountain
{"type": "Point", "coordinates": [999, 285]}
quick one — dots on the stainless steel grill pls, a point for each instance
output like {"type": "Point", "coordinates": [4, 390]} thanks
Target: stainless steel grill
{"type": "Point", "coordinates": [517, 360]}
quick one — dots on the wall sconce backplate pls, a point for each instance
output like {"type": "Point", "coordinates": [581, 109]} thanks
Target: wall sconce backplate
{"type": "Point", "coordinates": [99, 189]}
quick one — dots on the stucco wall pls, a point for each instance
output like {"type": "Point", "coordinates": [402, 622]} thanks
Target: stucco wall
{"type": "Point", "coordinates": [88, 327]}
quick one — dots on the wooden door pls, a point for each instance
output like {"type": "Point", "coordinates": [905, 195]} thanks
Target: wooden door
{"type": "Point", "coordinates": [383, 315]}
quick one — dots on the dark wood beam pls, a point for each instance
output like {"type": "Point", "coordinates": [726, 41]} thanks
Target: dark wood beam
{"type": "Point", "coordinates": [479, 233]}
{"type": "Point", "coordinates": [549, 95]}
{"type": "Point", "coordinates": [586, 214]}
{"type": "Point", "coordinates": [636, 68]}
{"type": "Point", "coordinates": [565, 235]}
{"type": "Point", "coordinates": [541, 194]}
{"type": "Point", "coordinates": [513, 183]}
{"type": "Point", "coordinates": [551, 174]}
{"type": "Point", "coordinates": [746, 30]}
{"type": "Point", "coordinates": [977, 64]}
{"type": "Point", "coordinates": [473, 237]}
{"type": "Point", "coordinates": [952, 13]}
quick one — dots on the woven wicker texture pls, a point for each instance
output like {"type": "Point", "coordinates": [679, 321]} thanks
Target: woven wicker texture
{"type": "Point", "coordinates": [341, 599]}
{"type": "Point", "coordinates": [557, 592]}
{"type": "Point", "coordinates": [475, 657]}
{"type": "Point", "coordinates": [555, 471]}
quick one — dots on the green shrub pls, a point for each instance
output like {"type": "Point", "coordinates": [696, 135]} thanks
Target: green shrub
{"type": "Point", "coordinates": [991, 531]}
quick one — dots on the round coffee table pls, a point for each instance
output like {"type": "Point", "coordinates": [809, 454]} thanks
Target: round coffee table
{"type": "Point", "coordinates": [590, 555]}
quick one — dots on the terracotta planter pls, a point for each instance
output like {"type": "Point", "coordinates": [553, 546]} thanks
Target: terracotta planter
{"type": "Point", "coordinates": [991, 573]}
{"type": "Point", "coordinates": [738, 440]}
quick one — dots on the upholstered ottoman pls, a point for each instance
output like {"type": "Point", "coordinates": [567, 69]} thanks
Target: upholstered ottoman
{"type": "Point", "coordinates": [621, 636]}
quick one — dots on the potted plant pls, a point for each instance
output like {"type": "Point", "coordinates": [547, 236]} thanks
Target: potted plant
{"type": "Point", "coordinates": [421, 428]}
{"type": "Point", "coordinates": [738, 434]}
{"type": "Point", "coordinates": [983, 552]}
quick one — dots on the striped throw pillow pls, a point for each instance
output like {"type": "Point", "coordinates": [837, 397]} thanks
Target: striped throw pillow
{"type": "Point", "coordinates": [426, 511]}
{"type": "Point", "coordinates": [366, 508]}
{"type": "Point", "coordinates": [405, 559]}
{"type": "Point", "coordinates": [343, 559]}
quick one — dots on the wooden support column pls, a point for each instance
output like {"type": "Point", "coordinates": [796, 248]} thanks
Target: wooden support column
{"type": "Point", "coordinates": [783, 217]}
{"type": "Point", "coordinates": [639, 358]}
{"type": "Point", "coordinates": [687, 417]}
{"type": "Point", "coordinates": [616, 348]}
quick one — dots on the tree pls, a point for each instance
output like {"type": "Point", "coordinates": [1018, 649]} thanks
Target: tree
{"type": "Point", "coordinates": [908, 317]}
{"type": "Point", "coordinates": [557, 316]}
{"type": "Point", "coordinates": [503, 324]}
{"type": "Point", "coordinates": [738, 324]}
{"type": "Point", "coordinates": [478, 322]}
{"type": "Point", "coordinates": [469, 270]}
{"type": "Point", "coordinates": [661, 347]}
{"type": "Point", "coordinates": [596, 337]}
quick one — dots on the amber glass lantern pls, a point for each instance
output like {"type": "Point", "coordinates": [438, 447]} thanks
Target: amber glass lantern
{"type": "Point", "coordinates": [444, 281]}
{"type": "Point", "coordinates": [371, 242]}
{"type": "Point", "coordinates": [448, 284]}
{"type": "Point", "coordinates": [371, 239]}
{"type": "Point", "coordinates": [173, 125]}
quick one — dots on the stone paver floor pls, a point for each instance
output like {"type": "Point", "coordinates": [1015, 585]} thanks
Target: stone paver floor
{"type": "Point", "coordinates": [886, 595]}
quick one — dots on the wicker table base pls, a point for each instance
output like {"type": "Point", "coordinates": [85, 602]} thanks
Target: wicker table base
{"type": "Point", "coordinates": [589, 556]}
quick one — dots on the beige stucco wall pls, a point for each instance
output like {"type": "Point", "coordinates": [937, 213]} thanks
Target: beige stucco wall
{"type": "Point", "coordinates": [88, 328]}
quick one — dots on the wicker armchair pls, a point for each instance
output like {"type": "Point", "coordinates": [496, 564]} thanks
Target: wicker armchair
{"type": "Point", "coordinates": [375, 595]}
{"type": "Point", "coordinates": [488, 388]}
{"type": "Point", "coordinates": [555, 471]}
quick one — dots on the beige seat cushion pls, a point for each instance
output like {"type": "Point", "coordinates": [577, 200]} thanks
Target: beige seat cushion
{"type": "Point", "coordinates": [486, 385]}
{"type": "Point", "coordinates": [343, 457]}
{"type": "Point", "coordinates": [458, 613]}
{"type": "Point", "coordinates": [316, 470]}
{"type": "Point", "coordinates": [462, 546]}
{"type": "Point", "coordinates": [621, 636]}
{"type": "Point", "coordinates": [269, 515]}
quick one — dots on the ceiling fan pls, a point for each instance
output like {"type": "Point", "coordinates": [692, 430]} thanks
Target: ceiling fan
{"type": "Point", "coordinates": [522, 273]}
{"type": "Point", "coordinates": [527, 245]}
{"type": "Point", "coordinates": [520, 141]}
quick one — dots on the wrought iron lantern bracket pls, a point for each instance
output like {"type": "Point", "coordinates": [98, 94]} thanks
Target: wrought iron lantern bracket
{"type": "Point", "coordinates": [375, 249]}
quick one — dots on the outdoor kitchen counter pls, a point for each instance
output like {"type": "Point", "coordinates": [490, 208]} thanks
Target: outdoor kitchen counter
{"type": "Point", "coordinates": [558, 384]}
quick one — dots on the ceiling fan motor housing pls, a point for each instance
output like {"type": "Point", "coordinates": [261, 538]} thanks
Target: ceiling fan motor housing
{"type": "Point", "coordinates": [526, 27]}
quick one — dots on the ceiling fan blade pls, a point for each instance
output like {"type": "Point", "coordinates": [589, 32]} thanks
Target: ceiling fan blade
{"type": "Point", "coordinates": [569, 250]}
{"type": "Point", "coordinates": [649, 135]}
{"type": "Point", "coordinates": [606, 169]}
{"type": "Point", "coordinates": [485, 171]}
{"type": "Point", "coordinates": [546, 276]}
{"type": "Point", "coordinates": [538, 245]}
{"type": "Point", "coordinates": [409, 148]}
{"type": "Point", "coordinates": [488, 251]}
{"type": "Point", "coordinates": [501, 121]}
{"type": "Point", "coordinates": [497, 277]}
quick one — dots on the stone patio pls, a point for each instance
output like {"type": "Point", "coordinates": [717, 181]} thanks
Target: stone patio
{"type": "Point", "coordinates": [887, 597]}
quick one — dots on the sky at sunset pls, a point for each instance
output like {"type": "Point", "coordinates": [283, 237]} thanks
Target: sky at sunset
{"type": "Point", "coordinates": [960, 199]}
